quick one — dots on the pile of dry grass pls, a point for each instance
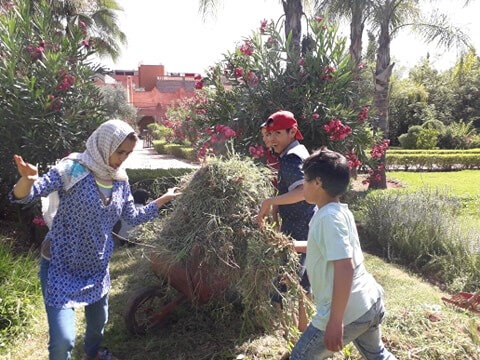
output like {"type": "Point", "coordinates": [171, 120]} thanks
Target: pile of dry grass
{"type": "Point", "coordinates": [213, 223]}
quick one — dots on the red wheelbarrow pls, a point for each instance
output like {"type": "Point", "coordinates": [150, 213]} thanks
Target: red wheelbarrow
{"type": "Point", "coordinates": [465, 300]}
{"type": "Point", "coordinates": [148, 309]}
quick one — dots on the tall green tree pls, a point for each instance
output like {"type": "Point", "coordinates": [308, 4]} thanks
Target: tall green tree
{"type": "Point", "coordinates": [387, 18]}
{"type": "Point", "coordinates": [100, 16]}
{"type": "Point", "coordinates": [293, 10]}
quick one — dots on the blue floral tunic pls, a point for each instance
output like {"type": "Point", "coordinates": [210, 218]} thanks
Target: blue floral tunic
{"type": "Point", "coordinates": [81, 236]}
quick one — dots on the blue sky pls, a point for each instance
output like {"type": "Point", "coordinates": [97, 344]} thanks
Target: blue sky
{"type": "Point", "coordinates": [174, 34]}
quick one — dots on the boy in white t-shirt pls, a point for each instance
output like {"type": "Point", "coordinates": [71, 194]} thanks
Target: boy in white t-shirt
{"type": "Point", "coordinates": [348, 299]}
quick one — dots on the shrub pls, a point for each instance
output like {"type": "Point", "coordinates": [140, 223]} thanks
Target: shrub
{"type": "Point", "coordinates": [173, 149]}
{"type": "Point", "coordinates": [409, 140]}
{"type": "Point", "coordinates": [159, 146]}
{"type": "Point", "coordinates": [263, 76]}
{"type": "Point", "coordinates": [20, 294]}
{"type": "Point", "coordinates": [49, 104]}
{"type": "Point", "coordinates": [160, 132]}
{"type": "Point", "coordinates": [427, 138]}
{"type": "Point", "coordinates": [456, 136]}
{"type": "Point", "coordinates": [435, 161]}
{"type": "Point", "coordinates": [420, 229]}
{"type": "Point", "coordinates": [156, 181]}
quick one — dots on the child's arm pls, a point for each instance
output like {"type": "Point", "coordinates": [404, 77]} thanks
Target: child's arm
{"type": "Point", "coordinates": [300, 246]}
{"type": "Point", "coordinates": [291, 197]}
{"type": "Point", "coordinates": [28, 175]}
{"type": "Point", "coordinates": [342, 285]}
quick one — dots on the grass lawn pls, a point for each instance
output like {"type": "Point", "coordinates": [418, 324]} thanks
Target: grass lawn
{"type": "Point", "coordinates": [465, 184]}
{"type": "Point", "coordinates": [417, 326]}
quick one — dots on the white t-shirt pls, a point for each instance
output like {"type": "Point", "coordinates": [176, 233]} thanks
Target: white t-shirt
{"type": "Point", "coordinates": [333, 236]}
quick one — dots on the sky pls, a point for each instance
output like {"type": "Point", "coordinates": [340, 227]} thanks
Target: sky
{"type": "Point", "coordinates": [175, 34]}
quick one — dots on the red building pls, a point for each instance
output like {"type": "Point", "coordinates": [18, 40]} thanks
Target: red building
{"type": "Point", "coordinates": [151, 91]}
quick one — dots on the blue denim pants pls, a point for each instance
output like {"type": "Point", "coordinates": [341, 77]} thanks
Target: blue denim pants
{"type": "Point", "coordinates": [364, 332]}
{"type": "Point", "coordinates": [61, 324]}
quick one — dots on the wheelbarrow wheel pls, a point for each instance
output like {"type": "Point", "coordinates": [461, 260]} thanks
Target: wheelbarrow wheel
{"type": "Point", "coordinates": [141, 308]}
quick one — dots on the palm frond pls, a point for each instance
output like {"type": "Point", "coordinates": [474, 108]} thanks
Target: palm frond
{"type": "Point", "coordinates": [208, 8]}
{"type": "Point", "coordinates": [438, 28]}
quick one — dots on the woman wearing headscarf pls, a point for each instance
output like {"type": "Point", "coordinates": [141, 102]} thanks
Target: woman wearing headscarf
{"type": "Point", "coordinates": [93, 194]}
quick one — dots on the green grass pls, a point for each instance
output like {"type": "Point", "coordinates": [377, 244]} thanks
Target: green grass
{"type": "Point", "coordinates": [191, 333]}
{"type": "Point", "coordinates": [464, 184]}
{"type": "Point", "coordinates": [20, 298]}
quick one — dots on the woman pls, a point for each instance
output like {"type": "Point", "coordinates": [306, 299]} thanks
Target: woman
{"type": "Point", "coordinates": [94, 194]}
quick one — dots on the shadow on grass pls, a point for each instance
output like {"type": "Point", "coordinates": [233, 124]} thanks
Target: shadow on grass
{"type": "Point", "coordinates": [189, 333]}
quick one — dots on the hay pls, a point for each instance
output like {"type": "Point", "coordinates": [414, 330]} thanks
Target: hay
{"type": "Point", "coordinates": [213, 223]}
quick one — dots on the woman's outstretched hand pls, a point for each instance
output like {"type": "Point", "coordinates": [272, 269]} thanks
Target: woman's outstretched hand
{"type": "Point", "coordinates": [26, 170]}
{"type": "Point", "coordinates": [171, 194]}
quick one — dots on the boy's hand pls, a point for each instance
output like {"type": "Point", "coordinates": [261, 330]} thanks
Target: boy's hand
{"type": "Point", "coordinates": [264, 210]}
{"type": "Point", "coordinates": [334, 335]}
{"type": "Point", "coordinates": [26, 170]}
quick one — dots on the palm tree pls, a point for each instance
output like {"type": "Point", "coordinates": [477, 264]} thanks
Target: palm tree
{"type": "Point", "coordinates": [293, 14]}
{"type": "Point", "coordinates": [101, 18]}
{"type": "Point", "coordinates": [387, 18]}
{"type": "Point", "coordinates": [357, 11]}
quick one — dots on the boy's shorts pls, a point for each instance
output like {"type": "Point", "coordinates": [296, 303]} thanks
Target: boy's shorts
{"type": "Point", "coordinates": [303, 277]}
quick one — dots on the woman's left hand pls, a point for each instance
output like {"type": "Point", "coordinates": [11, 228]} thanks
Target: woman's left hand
{"type": "Point", "coordinates": [171, 194]}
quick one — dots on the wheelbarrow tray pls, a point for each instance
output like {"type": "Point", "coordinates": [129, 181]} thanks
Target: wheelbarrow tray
{"type": "Point", "coordinates": [465, 300]}
{"type": "Point", "coordinates": [195, 280]}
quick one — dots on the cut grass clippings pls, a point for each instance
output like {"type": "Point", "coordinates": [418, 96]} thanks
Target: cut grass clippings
{"type": "Point", "coordinates": [417, 324]}
{"type": "Point", "coordinates": [211, 226]}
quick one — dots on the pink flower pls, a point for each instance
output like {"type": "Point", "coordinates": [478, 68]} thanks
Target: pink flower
{"type": "Point", "coordinates": [336, 130]}
{"type": "Point", "coordinates": [247, 48]}
{"type": "Point", "coordinates": [197, 77]}
{"type": "Point", "coordinates": [39, 221]}
{"type": "Point", "coordinates": [301, 61]}
{"type": "Point", "coordinates": [324, 27]}
{"type": "Point", "coordinates": [252, 79]}
{"type": "Point", "coordinates": [361, 66]}
{"type": "Point", "coordinates": [315, 116]}
{"type": "Point", "coordinates": [263, 26]}
{"type": "Point", "coordinates": [36, 52]}
{"type": "Point", "coordinates": [238, 72]}
{"type": "Point", "coordinates": [379, 149]}
{"type": "Point", "coordinates": [86, 43]}
{"type": "Point", "coordinates": [82, 24]}
{"type": "Point", "coordinates": [55, 103]}
{"type": "Point", "coordinates": [227, 131]}
{"type": "Point", "coordinates": [198, 85]}
{"type": "Point", "coordinates": [257, 151]}
{"type": "Point", "coordinates": [66, 82]}
{"type": "Point", "coordinates": [318, 18]}
{"type": "Point", "coordinates": [271, 40]}
{"type": "Point", "coordinates": [363, 114]}
{"type": "Point", "coordinates": [353, 161]}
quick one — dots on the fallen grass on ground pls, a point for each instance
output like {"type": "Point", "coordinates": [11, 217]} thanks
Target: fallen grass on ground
{"type": "Point", "coordinates": [417, 325]}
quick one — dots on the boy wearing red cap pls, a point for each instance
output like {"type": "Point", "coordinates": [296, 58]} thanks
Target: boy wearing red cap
{"type": "Point", "coordinates": [294, 211]}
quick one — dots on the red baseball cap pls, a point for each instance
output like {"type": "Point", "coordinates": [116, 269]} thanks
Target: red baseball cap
{"type": "Point", "coordinates": [283, 120]}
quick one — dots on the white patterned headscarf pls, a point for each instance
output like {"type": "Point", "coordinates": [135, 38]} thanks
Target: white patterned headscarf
{"type": "Point", "coordinates": [100, 146]}
{"type": "Point", "coordinates": [76, 166]}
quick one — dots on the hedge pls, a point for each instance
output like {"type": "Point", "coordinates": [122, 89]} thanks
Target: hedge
{"type": "Point", "coordinates": [180, 151]}
{"type": "Point", "coordinates": [156, 181]}
{"type": "Point", "coordinates": [455, 161]}
{"type": "Point", "coordinates": [436, 151]}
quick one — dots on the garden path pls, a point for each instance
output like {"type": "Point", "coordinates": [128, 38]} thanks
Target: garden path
{"type": "Point", "coordinates": [147, 158]}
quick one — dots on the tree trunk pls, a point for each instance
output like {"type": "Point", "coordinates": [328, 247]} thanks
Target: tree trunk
{"type": "Point", "coordinates": [293, 15]}
{"type": "Point", "coordinates": [383, 72]}
{"type": "Point", "coordinates": [356, 32]}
